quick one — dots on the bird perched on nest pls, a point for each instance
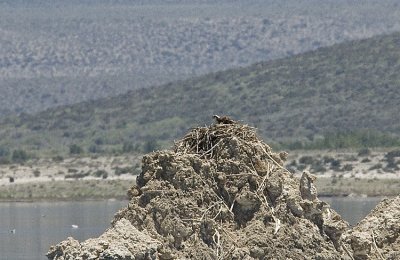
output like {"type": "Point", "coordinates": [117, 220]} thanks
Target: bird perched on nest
{"type": "Point", "coordinates": [223, 120]}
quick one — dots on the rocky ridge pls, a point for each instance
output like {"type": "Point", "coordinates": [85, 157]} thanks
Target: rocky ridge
{"type": "Point", "coordinates": [222, 193]}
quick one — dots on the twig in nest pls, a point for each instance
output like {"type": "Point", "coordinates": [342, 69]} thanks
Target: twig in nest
{"type": "Point", "coordinates": [277, 224]}
{"type": "Point", "coordinates": [233, 202]}
{"type": "Point", "coordinates": [272, 159]}
{"type": "Point", "coordinates": [252, 164]}
{"type": "Point", "coordinates": [210, 150]}
{"type": "Point", "coordinates": [225, 256]}
{"type": "Point", "coordinates": [221, 200]}
{"type": "Point", "coordinates": [217, 241]}
{"type": "Point", "coordinates": [219, 212]}
{"type": "Point", "coordinates": [241, 174]}
{"type": "Point", "coordinates": [376, 246]}
{"type": "Point", "coordinates": [209, 208]}
{"type": "Point", "coordinates": [276, 219]}
{"type": "Point", "coordinates": [347, 251]}
{"type": "Point", "coordinates": [261, 187]}
{"type": "Point", "coordinates": [230, 237]}
{"type": "Point", "coordinates": [197, 139]}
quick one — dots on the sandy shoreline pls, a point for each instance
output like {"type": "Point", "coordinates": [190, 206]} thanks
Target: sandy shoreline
{"type": "Point", "coordinates": [339, 173]}
{"type": "Point", "coordinates": [116, 188]}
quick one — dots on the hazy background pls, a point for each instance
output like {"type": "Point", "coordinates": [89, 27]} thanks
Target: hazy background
{"type": "Point", "coordinates": [62, 52]}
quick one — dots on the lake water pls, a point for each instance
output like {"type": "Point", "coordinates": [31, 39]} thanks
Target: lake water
{"type": "Point", "coordinates": [41, 224]}
{"type": "Point", "coordinates": [352, 209]}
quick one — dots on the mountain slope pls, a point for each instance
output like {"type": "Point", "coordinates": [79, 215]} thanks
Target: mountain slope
{"type": "Point", "coordinates": [346, 87]}
{"type": "Point", "coordinates": [55, 53]}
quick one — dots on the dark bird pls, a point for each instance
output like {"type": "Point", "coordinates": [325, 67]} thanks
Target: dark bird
{"type": "Point", "coordinates": [223, 120]}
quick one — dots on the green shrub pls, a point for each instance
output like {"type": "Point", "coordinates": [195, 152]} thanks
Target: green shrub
{"type": "Point", "coordinates": [365, 160]}
{"type": "Point", "coordinates": [376, 166]}
{"type": "Point", "coordinates": [58, 158]}
{"type": "Point", "coordinates": [101, 173]}
{"type": "Point", "coordinates": [317, 168]}
{"type": "Point", "coordinates": [391, 159]}
{"type": "Point", "coordinates": [36, 173]}
{"type": "Point", "coordinates": [328, 159]}
{"type": "Point", "coordinates": [77, 175]}
{"type": "Point", "coordinates": [306, 160]}
{"type": "Point", "coordinates": [335, 164]}
{"type": "Point", "coordinates": [301, 167]}
{"type": "Point", "coordinates": [19, 156]}
{"type": "Point", "coordinates": [347, 167]}
{"type": "Point", "coordinates": [150, 146]}
{"type": "Point", "coordinates": [364, 152]}
{"type": "Point", "coordinates": [393, 154]}
{"type": "Point", "coordinates": [127, 147]}
{"type": "Point", "coordinates": [4, 160]}
{"type": "Point", "coordinates": [99, 141]}
{"type": "Point", "coordinates": [75, 149]}
{"type": "Point", "coordinates": [94, 149]}
{"type": "Point", "coordinates": [4, 152]}
{"type": "Point", "coordinates": [124, 170]}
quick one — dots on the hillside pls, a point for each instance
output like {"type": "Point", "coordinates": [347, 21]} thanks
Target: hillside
{"type": "Point", "coordinates": [55, 53]}
{"type": "Point", "coordinates": [347, 88]}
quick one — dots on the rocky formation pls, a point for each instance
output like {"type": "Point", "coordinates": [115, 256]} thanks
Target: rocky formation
{"type": "Point", "coordinates": [122, 241]}
{"type": "Point", "coordinates": [377, 236]}
{"type": "Point", "coordinates": [221, 193]}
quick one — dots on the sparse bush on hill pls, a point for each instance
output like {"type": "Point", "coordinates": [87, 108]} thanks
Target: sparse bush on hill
{"type": "Point", "coordinates": [347, 167]}
{"type": "Point", "coordinates": [150, 146]}
{"type": "Point", "coordinates": [124, 170]}
{"type": "Point", "coordinates": [101, 173]}
{"type": "Point", "coordinates": [376, 167]}
{"type": "Point", "coordinates": [306, 160]}
{"type": "Point", "coordinates": [4, 155]}
{"type": "Point", "coordinates": [58, 158]}
{"type": "Point", "coordinates": [364, 152]}
{"type": "Point", "coordinates": [19, 156]}
{"type": "Point", "coordinates": [335, 164]}
{"type": "Point", "coordinates": [128, 147]}
{"type": "Point", "coordinates": [75, 149]}
{"type": "Point", "coordinates": [95, 149]}
{"type": "Point", "coordinates": [4, 152]}
{"type": "Point", "coordinates": [36, 173]}
{"type": "Point", "coordinates": [366, 160]}
{"type": "Point", "coordinates": [317, 167]}
{"type": "Point", "coordinates": [77, 175]}
{"type": "Point", "coordinates": [4, 160]}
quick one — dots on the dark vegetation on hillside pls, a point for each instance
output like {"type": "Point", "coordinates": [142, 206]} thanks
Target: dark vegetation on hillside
{"type": "Point", "coordinates": [63, 52]}
{"type": "Point", "coordinates": [342, 96]}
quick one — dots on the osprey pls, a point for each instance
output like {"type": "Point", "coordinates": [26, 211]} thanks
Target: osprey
{"type": "Point", "coordinates": [223, 120]}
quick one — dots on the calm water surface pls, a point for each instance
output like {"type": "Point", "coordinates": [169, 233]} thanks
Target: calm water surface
{"type": "Point", "coordinates": [41, 224]}
{"type": "Point", "coordinates": [352, 209]}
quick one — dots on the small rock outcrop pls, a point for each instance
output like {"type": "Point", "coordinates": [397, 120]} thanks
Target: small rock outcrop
{"type": "Point", "coordinates": [122, 241]}
{"type": "Point", "coordinates": [221, 193]}
{"type": "Point", "coordinates": [377, 236]}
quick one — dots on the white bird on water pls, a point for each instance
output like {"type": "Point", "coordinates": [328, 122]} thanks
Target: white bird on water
{"type": "Point", "coordinates": [74, 226]}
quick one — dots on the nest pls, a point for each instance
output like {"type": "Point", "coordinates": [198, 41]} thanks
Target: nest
{"type": "Point", "coordinates": [203, 140]}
